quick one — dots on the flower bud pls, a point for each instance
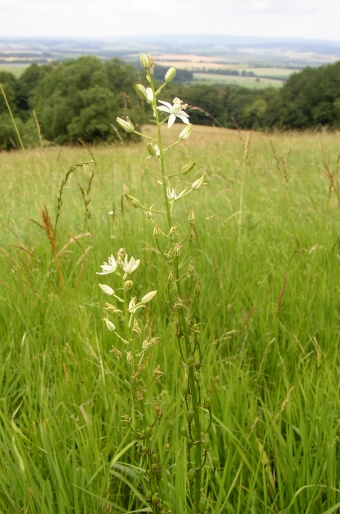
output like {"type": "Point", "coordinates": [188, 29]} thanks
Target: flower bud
{"type": "Point", "coordinates": [141, 91]}
{"type": "Point", "coordinates": [192, 233]}
{"type": "Point", "coordinates": [148, 297]}
{"type": "Point", "coordinates": [132, 200]}
{"type": "Point", "coordinates": [191, 216]}
{"type": "Point", "coordinates": [187, 168]}
{"type": "Point", "coordinates": [106, 289]}
{"type": "Point", "coordinates": [128, 284]}
{"type": "Point", "coordinates": [144, 61]}
{"type": "Point", "coordinates": [149, 95]}
{"type": "Point", "coordinates": [198, 183]}
{"type": "Point", "coordinates": [126, 125]}
{"type": "Point", "coordinates": [170, 74]}
{"type": "Point", "coordinates": [186, 132]}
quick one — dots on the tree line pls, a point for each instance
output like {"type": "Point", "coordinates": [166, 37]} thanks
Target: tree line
{"type": "Point", "coordinates": [79, 100]}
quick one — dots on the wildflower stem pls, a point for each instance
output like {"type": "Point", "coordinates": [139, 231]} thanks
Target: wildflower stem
{"type": "Point", "coordinates": [161, 157]}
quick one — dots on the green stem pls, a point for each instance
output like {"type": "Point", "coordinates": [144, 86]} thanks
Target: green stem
{"type": "Point", "coordinates": [183, 324]}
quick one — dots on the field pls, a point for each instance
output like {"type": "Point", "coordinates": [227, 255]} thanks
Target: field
{"type": "Point", "coordinates": [251, 82]}
{"type": "Point", "coordinates": [267, 254]}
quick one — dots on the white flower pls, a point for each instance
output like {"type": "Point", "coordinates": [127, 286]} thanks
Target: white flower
{"type": "Point", "coordinates": [175, 110]}
{"type": "Point", "coordinates": [106, 289]}
{"type": "Point", "coordinates": [171, 194]}
{"type": "Point", "coordinates": [109, 267]}
{"type": "Point", "coordinates": [130, 266]}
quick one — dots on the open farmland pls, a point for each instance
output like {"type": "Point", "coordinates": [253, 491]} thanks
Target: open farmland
{"type": "Point", "coordinates": [267, 254]}
{"type": "Point", "coordinates": [251, 82]}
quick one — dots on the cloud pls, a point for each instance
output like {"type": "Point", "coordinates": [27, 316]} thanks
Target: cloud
{"type": "Point", "coordinates": [110, 18]}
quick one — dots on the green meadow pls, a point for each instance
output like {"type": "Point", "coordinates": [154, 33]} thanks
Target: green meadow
{"type": "Point", "coordinates": [237, 80]}
{"type": "Point", "coordinates": [267, 254]}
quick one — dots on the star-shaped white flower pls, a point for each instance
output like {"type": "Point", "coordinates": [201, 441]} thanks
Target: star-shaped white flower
{"type": "Point", "coordinates": [172, 195]}
{"type": "Point", "coordinates": [129, 266]}
{"type": "Point", "coordinates": [109, 267]}
{"type": "Point", "coordinates": [175, 111]}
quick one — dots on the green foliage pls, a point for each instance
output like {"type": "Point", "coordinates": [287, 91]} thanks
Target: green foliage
{"type": "Point", "coordinates": [77, 99]}
{"type": "Point", "coordinates": [80, 99]}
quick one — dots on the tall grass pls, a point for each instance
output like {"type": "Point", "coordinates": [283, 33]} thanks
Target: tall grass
{"type": "Point", "coordinates": [270, 295]}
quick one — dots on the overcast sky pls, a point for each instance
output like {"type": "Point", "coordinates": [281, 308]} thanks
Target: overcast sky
{"type": "Point", "coordinates": [311, 19]}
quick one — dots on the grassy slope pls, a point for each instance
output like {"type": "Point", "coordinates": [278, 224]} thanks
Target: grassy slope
{"type": "Point", "coordinates": [267, 254]}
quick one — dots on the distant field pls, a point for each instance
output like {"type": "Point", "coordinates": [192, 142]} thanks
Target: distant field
{"type": "Point", "coordinates": [251, 82]}
{"type": "Point", "coordinates": [16, 69]}
{"type": "Point", "coordinates": [202, 66]}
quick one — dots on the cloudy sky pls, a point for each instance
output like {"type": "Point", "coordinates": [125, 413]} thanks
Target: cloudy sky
{"type": "Point", "coordinates": [311, 19]}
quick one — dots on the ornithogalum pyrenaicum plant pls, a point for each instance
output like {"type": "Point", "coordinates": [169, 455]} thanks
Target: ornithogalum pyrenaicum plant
{"type": "Point", "coordinates": [174, 242]}
{"type": "Point", "coordinates": [130, 346]}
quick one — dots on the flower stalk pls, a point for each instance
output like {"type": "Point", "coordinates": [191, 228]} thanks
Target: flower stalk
{"type": "Point", "coordinates": [183, 287]}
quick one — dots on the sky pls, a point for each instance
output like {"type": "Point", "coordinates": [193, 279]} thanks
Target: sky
{"type": "Point", "coordinates": [305, 19]}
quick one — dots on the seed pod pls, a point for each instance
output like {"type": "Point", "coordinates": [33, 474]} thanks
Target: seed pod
{"type": "Point", "coordinates": [187, 167]}
{"type": "Point", "coordinates": [215, 462]}
{"type": "Point", "coordinates": [128, 284]}
{"type": "Point", "coordinates": [190, 415]}
{"type": "Point", "coordinates": [156, 231]}
{"type": "Point", "coordinates": [155, 457]}
{"type": "Point", "coordinates": [190, 360]}
{"type": "Point", "coordinates": [191, 473]}
{"type": "Point", "coordinates": [202, 504]}
{"type": "Point", "coordinates": [191, 217]}
{"type": "Point", "coordinates": [206, 444]}
{"type": "Point", "coordinates": [132, 200]}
